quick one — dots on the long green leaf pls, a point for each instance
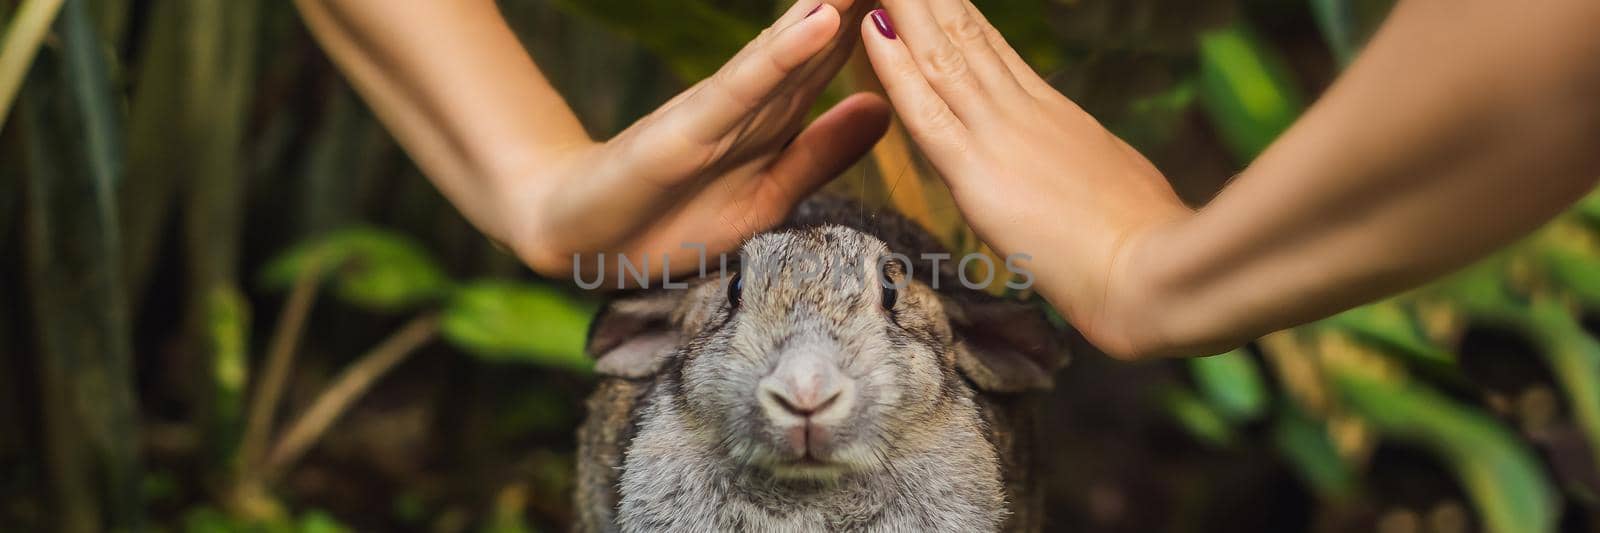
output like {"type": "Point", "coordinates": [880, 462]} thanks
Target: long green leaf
{"type": "Point", "coordinates": [223, 68]}
{"type": "Point", "coordinates": [1498, 473]}
{"type": "Point", "coordinates": [159, 145]}
{"type": "Point", "coordinates": [1387, 325]}
{"type": "Point", "coordinates": [369, 267]}
{"type": "Point", "coordinates": [1232, 384]}
{"type": "Point", "coordinates": [1246, 89]}
{"type": "Point", "coordinates": [1310, 450]}
{"type": "Point", "coordinates": [1574, 359]}
{"type": "Point", "coordinates": [1337, 21]}
{"type": "Point", "coordinates": [21, 42]}
{"type": "Point", "coordinates": [1574, 268]}
{"type": "Point", "coordinates": [74, 167]}
{"type": "Point", "coordinates": [1198, 417]}
{"type": "Point", "coordinates": [1589, 209]}
{"type": "Point", "coordinates": [506, 321]}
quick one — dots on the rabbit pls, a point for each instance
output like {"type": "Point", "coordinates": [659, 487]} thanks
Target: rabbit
{"type": "Point", "coordinates": [847, 395]}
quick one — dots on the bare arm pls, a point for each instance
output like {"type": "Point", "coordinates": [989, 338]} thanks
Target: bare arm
{"type": "Point", "coordinates": [456, 89]}
{"type": "Point", "coordinates": [452, 83]}
{"type": "Point", "coordinates": [1463, 126]}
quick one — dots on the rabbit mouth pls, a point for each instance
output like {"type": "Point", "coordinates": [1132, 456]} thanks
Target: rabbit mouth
{"type": "Point", "coordinates": [799, 453]}
{"type": "Point", "coordinates": [810, 468]}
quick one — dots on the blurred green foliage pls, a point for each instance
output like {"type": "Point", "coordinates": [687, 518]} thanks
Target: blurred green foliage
{"type": "Point", "coordinates": [1231, 383]}
{"type": "Point", "coordinates": [1245, 87]}
{"type": "Point", "coordinates": [1204, 420]}
{"type": "Point", "coordinates": [694, 36]}
{"type": "Point", "coordinates": [246, 158]}
{"type": "Point", "coordinates": [1504, 481]}
{"type": "Point", "coordinates": [209, 520]}
{"type": "Point", "coordinates": [369, 268]}
{"type": "Point", "coordinates": [496, 320]}
{"type": "Point", "coordinates": [229, 330]}
{"type": "Point", "coordinates": [1306, 444]}
{"type": "Point", "coordinates": [502, 321]}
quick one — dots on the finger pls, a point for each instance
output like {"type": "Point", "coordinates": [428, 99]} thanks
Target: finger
{"type": "Point", "coordinates": [826, 149]}
{"type": "Point", "coordinates": [1020, 69]}
{"type": "Point", "coordinates": [939, 60]}
{"type": "Point", "coordinates": [815, 75]}
{"type": "Point", "coordinates": [751, 78]}
{"type": "Point", "coordinates": [806, 82]}
{"type": "Point", "coordinates": [796, 13]}
{"type": "Point", "coordinates": [931, 122]}
{"type": "Point", "coordinates": [966, 30]}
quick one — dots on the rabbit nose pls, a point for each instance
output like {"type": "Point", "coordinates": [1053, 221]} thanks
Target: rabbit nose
{"type": "Point", "coordinates": [807, 388]}
{"type": "Point", "coordinates": [802, 403]}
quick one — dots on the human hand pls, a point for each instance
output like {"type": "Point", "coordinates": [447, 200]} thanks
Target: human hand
{"type": "Point", "coordinates": [1030, 170]}
{"type": "Point", "coordinates": [721, 161]}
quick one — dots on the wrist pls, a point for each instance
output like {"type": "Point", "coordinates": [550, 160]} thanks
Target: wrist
{"type": "Point", "coordinates": [1130, 314]}
{"type": "Point", "coordinates": [532, 218]}
{"type": "Point", "coordinates": [1160, 295]}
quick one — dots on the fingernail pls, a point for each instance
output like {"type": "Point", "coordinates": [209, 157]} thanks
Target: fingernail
{"type": "Point", "coordinates": [880, 18]}
{"type": "Point", "coordinates": [814, 10]}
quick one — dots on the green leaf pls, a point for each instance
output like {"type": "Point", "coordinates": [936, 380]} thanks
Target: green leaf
{"type": "Point", "coordinates": [1576, 271]}
{"type": "Point", "coordinates": [206, 519]}
{"type": "Point", "coordinates": [320, 522]}
{"type": "Point", "coordinates": [1573, 356]}
{"type": "Point", "coordinates": [1480, 291]}
{"type": "Point", "coordinates": [228, 328]}
{"type": "Point", "coordinates": [22, 36]}
{"type": "Point", "coordinates": [1337, 21]}
{"type": "Point", "coordinates": [1388, 326]}
{"type": "Point", "coordinates": [68, 118]}
{"type": "Point", "coordinates": [1198, 417]}
{"type": "Point", "coordinates": [1246, 89]}
{"type": "Point", "coordinates": [1589, 209]}
{"type": "Point", "coordinates": [1500, 475]}
{"type": "Point", "coordinates": [370, 268]}
{"type": "Point", "coordinates": [1153, 121]}
{"type": "Point", "coordinates": [517, 322]}
{"type": "Point", "coordinates": [1310, 450]}
{"type": "Point", "coordinates": [1231, 383]}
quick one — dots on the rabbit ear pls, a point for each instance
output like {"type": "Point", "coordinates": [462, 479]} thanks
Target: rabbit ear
{"type": "Point", "coordinates": [1005, 346]}
{"type": "Point", "coordinates": [634, 335]}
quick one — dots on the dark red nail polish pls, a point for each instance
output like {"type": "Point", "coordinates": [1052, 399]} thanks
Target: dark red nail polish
{"type": "Point", "coordinates": [880, 18]}
{"type": "Point", "coordinates": [814, 10]}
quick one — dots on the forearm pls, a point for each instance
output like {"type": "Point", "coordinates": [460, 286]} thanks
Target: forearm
{"type": "Point", "coordinates": [1462, 127]}
{"type": "Point", "coordinates": [455, 87]}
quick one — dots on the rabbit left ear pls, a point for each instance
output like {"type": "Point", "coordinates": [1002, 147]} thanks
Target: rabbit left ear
{"type": "Point", "coordinates": [634, 335]}
{"type": "Point", "coordinates": [1005, 346]}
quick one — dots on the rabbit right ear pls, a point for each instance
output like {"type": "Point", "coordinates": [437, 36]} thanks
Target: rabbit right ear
{"type": "Point", "coordinates": [633, 336]}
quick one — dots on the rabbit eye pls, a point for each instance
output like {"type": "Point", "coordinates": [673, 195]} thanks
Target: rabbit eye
{"type": "Point", "coordinates": [890, 294]}
{"type": "Point", "coordinates": [735, 291]}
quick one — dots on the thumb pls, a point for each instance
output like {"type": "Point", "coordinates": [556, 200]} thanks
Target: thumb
{"type": "Point", "coordinates": [829, 146]}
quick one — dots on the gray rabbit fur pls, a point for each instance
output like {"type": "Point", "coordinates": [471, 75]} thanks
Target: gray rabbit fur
{"type": "Point", "coordinates": [787, 399]}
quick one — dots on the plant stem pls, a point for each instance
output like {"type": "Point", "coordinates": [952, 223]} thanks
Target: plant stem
{"type": "Point", "coordinates": [351, 385]}
{"type": "Point", "coordinates": [22, 39]}
{"type": "Point", "coordinates": [280, 358]}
